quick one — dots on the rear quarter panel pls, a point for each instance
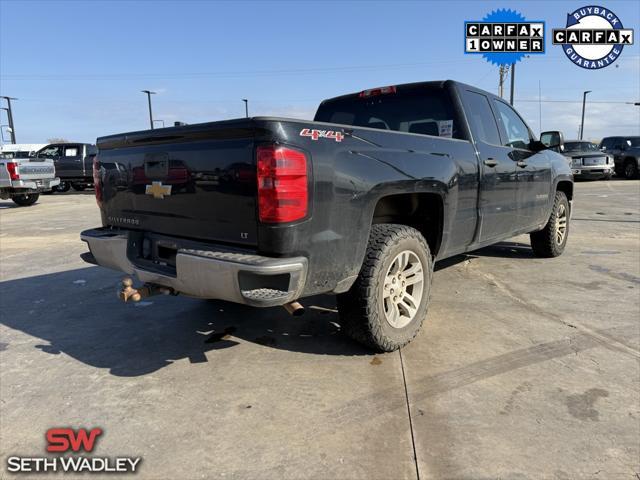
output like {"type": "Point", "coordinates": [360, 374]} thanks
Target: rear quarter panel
{"type": "Point", "coordinates": [350, 176]}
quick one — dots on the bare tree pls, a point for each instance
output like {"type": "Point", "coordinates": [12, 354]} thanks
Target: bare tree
{"type": "Point", "coordinates": [57, 140]}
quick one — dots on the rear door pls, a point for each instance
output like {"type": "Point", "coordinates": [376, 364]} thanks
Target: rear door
{"type": "Point", "coordinates": [72, 159]}
{"type": "Point", "coordinates": [533, 170]}
{"type": "Point", "coordinates": [498, 177]}
{"type": "Point", "coordinates": [90, 152]}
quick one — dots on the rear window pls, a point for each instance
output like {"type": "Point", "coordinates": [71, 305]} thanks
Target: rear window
{"type": "Point", "coordinates": [425, 111]}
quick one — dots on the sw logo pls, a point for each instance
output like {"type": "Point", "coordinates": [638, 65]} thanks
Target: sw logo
{"type": "Point", "coordinates": [593, 37]}
{"type": "Point", "coordinates": [68, 440]}
{"type": "Point", "coordinates": [65, 439]}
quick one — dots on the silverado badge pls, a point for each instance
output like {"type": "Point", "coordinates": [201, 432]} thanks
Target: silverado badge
{"type": "Point", "coordinates": [158, 190]}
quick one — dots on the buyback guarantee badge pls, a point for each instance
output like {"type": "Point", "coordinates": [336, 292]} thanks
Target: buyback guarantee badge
{"type": "Point", "coordinates": [593, 37]}
{"type": "Point", "coordinates": [504, 37]}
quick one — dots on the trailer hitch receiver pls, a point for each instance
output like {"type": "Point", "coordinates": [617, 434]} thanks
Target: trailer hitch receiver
{"type": "Point", "coordinates": [128, 293]}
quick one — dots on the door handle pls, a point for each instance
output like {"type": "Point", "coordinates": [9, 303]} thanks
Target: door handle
{"type": "Point", "coordinates": [521, 164]}
{"type": "Point", "coordinates": [490, 162]}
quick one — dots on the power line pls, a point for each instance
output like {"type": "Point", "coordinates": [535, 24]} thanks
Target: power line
{"type": "Point", "coordinates": [573, 101]}
{"type": "Point", "coordinates": [292, 71]}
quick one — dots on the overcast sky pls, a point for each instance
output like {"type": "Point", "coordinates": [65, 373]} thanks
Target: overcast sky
{"type": "Point", "coordinates": [78, 67]}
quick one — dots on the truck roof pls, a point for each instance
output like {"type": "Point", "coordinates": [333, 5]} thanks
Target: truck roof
{"type": "Point", "coordinates": [412, 86]}
{"type": "Point", "coordinates": [21, 147]}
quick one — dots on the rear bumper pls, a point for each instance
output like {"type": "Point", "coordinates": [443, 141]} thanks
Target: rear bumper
{"type": "Point", "coordinates": [208, 273]}
{"type": "Point", "coordinates": [39, 185]}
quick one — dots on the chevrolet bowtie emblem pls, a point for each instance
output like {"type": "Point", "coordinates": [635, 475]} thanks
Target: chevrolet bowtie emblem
{"type": "Point", "coordinates": [158, 190]}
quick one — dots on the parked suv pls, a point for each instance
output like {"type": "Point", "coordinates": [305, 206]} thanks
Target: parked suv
{"type": "Point", "coordinates": [626, 154]}
{"type": "Point", "coordinates": [74, 164]}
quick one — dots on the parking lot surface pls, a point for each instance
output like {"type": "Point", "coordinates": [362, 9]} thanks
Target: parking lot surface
{"type": "Point", "coordinates": [525, 367]}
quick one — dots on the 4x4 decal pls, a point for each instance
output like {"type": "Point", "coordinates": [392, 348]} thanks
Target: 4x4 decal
{"type": "Point", "coordinates": [317, 134]}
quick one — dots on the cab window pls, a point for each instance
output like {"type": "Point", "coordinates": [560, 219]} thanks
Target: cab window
{"type": "Point", "coordinates": [50, 152]}
{"type": "Point", "coordinates": [483, 123]}
{"type": "Point", "coordinates": [424, 111]}
{"type": "Point", "coordinates": [71, 151]}
{"type": "Point", "coordinates": [516, 130]}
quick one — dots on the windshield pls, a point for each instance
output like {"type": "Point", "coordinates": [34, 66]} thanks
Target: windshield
{"type": "Point", "coordinates": [580, 147]}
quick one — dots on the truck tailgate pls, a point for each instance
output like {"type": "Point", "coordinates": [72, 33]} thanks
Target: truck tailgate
{"type": "Point", "coordinates": [36, 169]}
{"type": "Point", "coordinates": [197, 181]}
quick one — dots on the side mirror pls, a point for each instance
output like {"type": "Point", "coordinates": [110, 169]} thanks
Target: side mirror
{"type": "Point", "coordinates": [553, 139]}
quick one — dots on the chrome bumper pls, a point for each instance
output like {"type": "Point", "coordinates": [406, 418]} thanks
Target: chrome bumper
{"type": "Point", "coordinates": [40, 185]}
{"type": "Point", "coordinates": [592, 170]}
{"type": "Point", "coordinates": [236, 277]}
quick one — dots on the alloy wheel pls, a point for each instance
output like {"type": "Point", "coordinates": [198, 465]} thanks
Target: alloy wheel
{"type": "Point", "coordinates": [403, 289]}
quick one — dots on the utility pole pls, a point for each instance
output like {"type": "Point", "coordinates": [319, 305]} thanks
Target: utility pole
{"type": "Point", "coordinates": [513, 79]}
{"type": "Point", "coordinates": [10, 117]}
{"type": "Point", "coordinates": [540, 105]}
{"type": "Point", "coordinates": [149, 93]}
{"type": "Point", "coordinates": [246, 107]}
{"type": "Point", "coordinates": [584, 101]}
{"type": "Point", "coordinates": [503, 75]}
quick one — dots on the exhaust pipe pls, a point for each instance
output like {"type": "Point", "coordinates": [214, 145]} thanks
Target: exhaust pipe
{"type": "Point", "coordinates": [128, 293]}
{"type": "Point", "coordinates": [294, 308]}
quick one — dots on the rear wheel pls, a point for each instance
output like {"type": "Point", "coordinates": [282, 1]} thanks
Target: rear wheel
{"type": "Point", "coordinates": [26, 199]}
{"type": "Point", "coordinates": [552, 239]}
{"type": "Point", "coordinates": [630, 169]}
{"type": "Point", "coordinates": [387, 304]}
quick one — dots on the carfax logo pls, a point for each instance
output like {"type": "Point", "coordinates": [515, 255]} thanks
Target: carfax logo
{"type": "Point", "coordinates": [503, 37]}
{"type": "Point", "coordinates": [593, 37]}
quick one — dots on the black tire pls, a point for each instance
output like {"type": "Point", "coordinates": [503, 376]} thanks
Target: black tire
{"type": "Point", "coordinates": [630, 169]}
{"type": "Point", "coordinates": [78, 187]}
{"type": "Point", "coordinates": [62, 187]}
{"type": "Point", "coordinates": [362, 309]}
{"type": "Point", "coordinates": [546, 243]}
{"type": "Point", "coordinates": [25, 200]}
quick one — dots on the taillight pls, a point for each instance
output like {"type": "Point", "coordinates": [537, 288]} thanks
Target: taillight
{"type": "Point", "coordinates": [377, 91]}
{"type": "Point", "coordinates": [282, 184]}
{"type": "Point", "coordinates": [12, 168]}
{"type": "Point", "coordinates": [97, 183]}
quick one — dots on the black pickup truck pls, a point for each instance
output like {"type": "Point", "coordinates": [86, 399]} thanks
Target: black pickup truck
{"type": "Point", "coordinates": [359, 202]}
{"type": "Point", "coordinates": [74, 164]}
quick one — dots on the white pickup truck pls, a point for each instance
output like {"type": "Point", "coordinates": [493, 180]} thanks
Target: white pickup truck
{"type": "Point", "coordinates": [23, 176]}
